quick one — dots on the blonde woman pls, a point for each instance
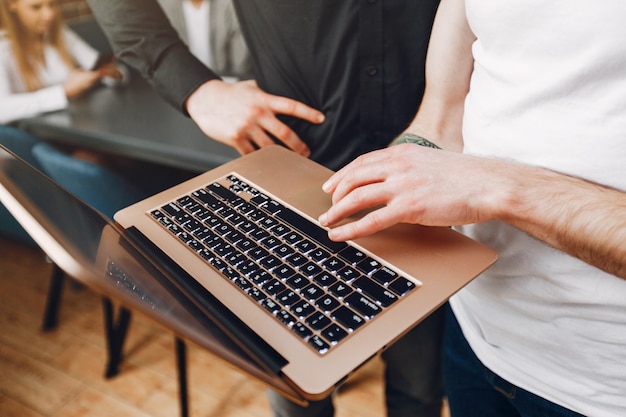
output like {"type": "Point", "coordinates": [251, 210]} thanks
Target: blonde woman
{"type": "Point", "coordinates": [43, 64]}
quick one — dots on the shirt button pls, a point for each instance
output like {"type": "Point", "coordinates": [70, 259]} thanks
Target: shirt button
{"type": "Point", "coordinates": [372, 70]}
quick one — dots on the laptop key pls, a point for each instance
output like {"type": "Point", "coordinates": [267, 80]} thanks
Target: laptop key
{"type": "Point", "coordinates": [297, 282]}
{"type": "Point", "coordinates": [319, 255]}
{"type": "Point", "coordinates": [225, 193]}
{"type": "Point", "coordinates": [230, 273]}
{"type": "Point", "coordinates": [257, 294]}
{"type": "Point", "coordinates": [256, 215]}
{"type": "Point", "coordinates": [247, 267]}
{"type": "Point", "coordinates": [218, 264]}
{"type": "Point", "coordinates": [297, 259]}
{"type": "Point", "coordinates": [280, 229]}
{"type": "Point", "coordinates": [283, 272]}
{"type": "Point", "coordinates": [301, 330]}
{"type": "Point", "coordinates": [334, 264]}
{"type": "Point", "coordinates": [325, 279]}
{"type": "Point", "coordinates": [312, 292]}
{"type": "Point", "coordinates": [171, 209]}
{"type": "Point", "coordinates": [340, 289]}
{"type": "Point", "coordinates": [223, 249]}
{"type": "Point", "coordinates": [185, 201]}
{"type": "Point", "coordinates": [234, 236]}
{"type": "Point", "coordinates": [287, 298]}
{"type": "Point", "coordinates": [402, 286]}
{"type": "Point", "coordinates": [368, 265]}
{"type": "Point", "coordinates": [363, 305]}
{"type": "Point", "coordinates": [259, 277]}
{"type": "Point", "coordinates": [246, 245]}
{"type": "Point", "coordinates": [318, 344]}
{"type": "Point", "coordinates": [272, 206]}
{"type": "Point", "coordinates": [258, 253]}
{"type": "Point", "coordinates": [242, 283]}
{"type": "Point", "coordinates": [273, 287]}
{"type": "Point", "coordinates": [384, 275]}
{"type": "Point", "coordinates": [270, 242]}
{"type": "Point", "coordinates": [313, 231]}
{"type": "Point", "coordinates": [302, 309]}
{"type": "Point", "coordinates": [334, 333]}
{"type": "Point", "coordinates": [310, 269]}
{"type": "Point", "coordinates": [327, 303]}
{"type": "Point", "coordinates": [195, 245]}
{"type": "Point", "coordinates": [282, 251]}
{"type": "Point", "coordinates": [318, 321]}
{"type": "Point", "coordinates": [293, 237]}
{"type": "Point", "coordinates": [210, 200]}
{"type": "Point", "coordinates": [206, 254]}
{"type": "Point", "coordinates": [259, 234]}
{"type": "Point", "coordinates": [378, 293]}
{"type": "Point", "coordinates": [348, 318]}
{"type": "Point", "coordinates": [352, 255]}
{"type": "Point", "coordinates": [270, 262]}
{"type": "Point", "coordinates": [305, 246]}
{"type": "Point", "coordinates": [259, 199]}
{"type": "Point", "coordinates": [270, 305]}
{"type": "Point", "coordinates": [347, 274]}
{"type": "Point", "coordinates": [286, 318]}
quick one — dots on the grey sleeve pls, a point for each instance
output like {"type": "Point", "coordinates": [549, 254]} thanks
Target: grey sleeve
{"type": "Point", "coordinates": [142, 37]}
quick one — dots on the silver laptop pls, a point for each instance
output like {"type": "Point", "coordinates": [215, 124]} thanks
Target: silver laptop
{"type": "Point", "coordinates": [241, 246]}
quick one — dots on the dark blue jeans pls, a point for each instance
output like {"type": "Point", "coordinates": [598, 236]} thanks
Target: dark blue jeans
{"type": "Point", "coordinates": [475, 391]}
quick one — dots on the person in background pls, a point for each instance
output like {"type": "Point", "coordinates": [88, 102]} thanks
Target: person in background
{"type": "Point", "coordinates": [333, 79]}
{"type": "Point", "coordinates": [211, 30]}
{"type": "Point", "coordinates": [529, 102]}
{"type": "Point", "coordinates": [43, 64]}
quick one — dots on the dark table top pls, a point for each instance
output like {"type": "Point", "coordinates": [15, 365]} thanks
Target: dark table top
{"type": "Point", "coordinates": [132, 121]}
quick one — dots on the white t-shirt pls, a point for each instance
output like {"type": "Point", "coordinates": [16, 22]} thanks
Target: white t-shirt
{"type": "Point", "coordinates": [197, 22]}
{"type": "Point", "coordinates": [549, 89]}
{"type": "Point", "coordinates": [16, 102]}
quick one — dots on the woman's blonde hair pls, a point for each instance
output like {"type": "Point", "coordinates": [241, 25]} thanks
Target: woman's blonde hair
{"type": "Point", "coordinates": [28, 59]}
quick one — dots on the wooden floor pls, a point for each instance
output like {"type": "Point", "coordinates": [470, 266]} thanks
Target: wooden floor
{"type": "Point", "coordinates": [60, 373]}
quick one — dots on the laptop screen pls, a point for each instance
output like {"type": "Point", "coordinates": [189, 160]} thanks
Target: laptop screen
{"type": "Point", "coordinates": [91, 249]}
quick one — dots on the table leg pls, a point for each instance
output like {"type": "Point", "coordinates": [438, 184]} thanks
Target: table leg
{"type": "Point", "coordinates": [181, 366]}
{"type": "Point", "coordinates": [51, 313]}
{"type": "Point", "coordinates": [115, 329]}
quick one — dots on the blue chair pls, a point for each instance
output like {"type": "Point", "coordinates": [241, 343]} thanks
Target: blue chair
{"type": "Point", "coordinates": [97, 186]}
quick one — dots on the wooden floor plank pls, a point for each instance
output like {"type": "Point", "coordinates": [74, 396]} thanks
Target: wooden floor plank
{"type": "Point", "coordinates": [60, 373]}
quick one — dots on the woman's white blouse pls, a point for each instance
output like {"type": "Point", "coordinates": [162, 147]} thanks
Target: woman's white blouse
{"type": "Point", "coordinates": [16, 102]}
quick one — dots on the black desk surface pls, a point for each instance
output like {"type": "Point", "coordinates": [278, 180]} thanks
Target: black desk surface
{"type": "Point", "coordinates": [132, 121]}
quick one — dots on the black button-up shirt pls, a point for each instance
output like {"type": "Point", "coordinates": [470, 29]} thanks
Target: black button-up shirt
{"type": "Point", "coordinates": [361, 62]}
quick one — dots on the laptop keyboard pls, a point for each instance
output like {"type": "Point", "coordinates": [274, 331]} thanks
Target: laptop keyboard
{"type": "Point", "coordinates": [322, 290]}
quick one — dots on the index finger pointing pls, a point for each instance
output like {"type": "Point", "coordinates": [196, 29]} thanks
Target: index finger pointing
{"type": "Point", "coordinates": [294, 108]}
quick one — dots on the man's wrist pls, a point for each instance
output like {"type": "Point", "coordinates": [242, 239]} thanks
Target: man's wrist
{"type": "Point", "coordinates": [413, 138]}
